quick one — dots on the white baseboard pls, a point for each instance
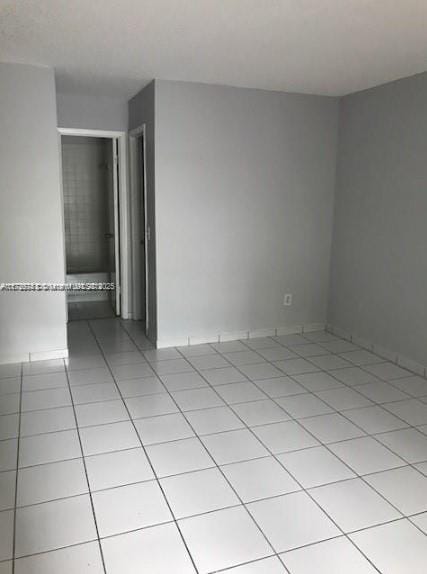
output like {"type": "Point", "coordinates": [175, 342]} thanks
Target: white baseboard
{"type": "Point", "coordinates": [35, 356]}
{"type": "Point", "coordinates": [47, 355]}
{"type": "Point", "coordinates": [238, 335]}
{"type": "Point", "coordinates": [386, 354]}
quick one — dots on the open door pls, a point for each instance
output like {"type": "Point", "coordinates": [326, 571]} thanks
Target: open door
{"type": "Point", "coordinates": [113, 234]}
{"type": "Point", "coordinates": [144, 230]}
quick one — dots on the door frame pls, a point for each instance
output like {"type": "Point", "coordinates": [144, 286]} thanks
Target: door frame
{"type": "Point", "coordinates": [124, 217]}
{"type": "Point", "coordinates": [135, 195]}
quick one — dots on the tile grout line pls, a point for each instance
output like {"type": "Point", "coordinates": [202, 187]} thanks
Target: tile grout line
{"type": "Point", "coordinates": [361, 477]}
{"type": "Point", "coordinates": [148, 459]}
{"type": "Point", "coordinates": [16, 477]}
{"type": "Point", "coordinates": [77, 430]}
{"type": "Point", "coordinates": [291, 418]}
{"type": "Point", "coordinates": [297, 481]}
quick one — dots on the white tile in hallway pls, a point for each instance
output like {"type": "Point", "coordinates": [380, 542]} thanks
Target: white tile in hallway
{"type": "Point", "coordinates": [118, 468]}
{"type": "Point", "coordinates": [164, 428]}
{"type": "Point", "coordinates": [354, 376]}
{"type": "Point", "coordinates": [409, 444]}
{"type": "Point", "coordinates": [331, 428]}
{"type": "Point", "coordinates": [94, 393]}
{"type": "Point", "coordinates": [8, 454]}
{"type": "Point", "coordinates": [330, 557]}
{"type": "Point", "coordinates": [270, 565]}
{"type": "Point", "coordinates": [51, 481]}
{"type": "Point", "coordinates": [10, 386]}
{"type": "Point", "coordinates": [260, 413]}
{"type": "Point", "coordinates": [210, 421]}
{"type": "Point", "coordinates": [173, 366]}
{"type": "Point", "coordinates": [240, 393]}
{"type": "Point", "coordinates": [260, 371]}
{"type": "Point", "coordinates": [46, 399]}
{"type": "Point", "coordinates": [304, 405]}
{"type": "Point", "coordinates": [405, 488]}
{"type": "Point", "coordinates": [199, 444]}
{"type": "Point", "coordinates": [315, 466]}
{"type": "Point", "coordinates": [387, 371]}
{"type": "Point", "coordinates": [130, 507]}
{"type": "Point", "coordinates": [140, 387]}
{"type": "Point", "coordinates": [366, 455]}
{"type": "Point", "coordinates": [412, 411]}
{"type": "Point", "coordinates": [381, 392]}
{"type": "Point", "coordinates": [344, 399]}
{"type": "Point", "coordinates": [10, 370]}
{"type": "Point", "coordinates": [44, 381]}
{"type": "Point", "coordinates": [395, 548]}
{"type": "Point", "coordinates": [361, 357]}
{"type": "Point", "coordinates": [133, 371]}
{"type": "Point", "coordinates": [179, 456]}
{"type": "Point", "coordinates": [233, 446]}
{"type": "Point", "coordinates": [292, 520]}
{"type": "Point", "coordinates": [150, 406]}
{"type": "Point", "coordinates": [329, 362]}
{"type": "Point", "coordinates": [183, 381]}
{"type": "Point", "coordinates": [108, 438]}
{"type": "Point", "coordinates": [375, 419]}
{"type": "Point", "coordinates": [6, 535]}
{"type": "Point", "coordinates": [50, 420]}
{"type": "Point", "coordinates": [195, 399]}
{"type": "Point", "coordinates": [7, 490]}
{"type": "Point", "coordinates": [353, 505]}
{"type": "Point", "coordinates": [319, 381]}
{"type": "Point", "coordinates": [9, 426]}
{"type": "Point", "coordinates": [198, 492]}
{"type": "Point", "coordinates": [50, 447]}
{"type": "Point", "coordinates": [285, 437]}
{"type": "Point", "coordinates": [280, 387]}
{"type": "Point", "coordinates": [125, 553]}
{"type": "Point", "coordinates": [82, 558]}
{"type": "Point", "coordinates": [259, 478]}
{"type": "Point", "coordinates": [222, 376]}
{"type": "Point", "coordinates": [296, 366]}
{"type": "Point", "coordinates": [414, 386]}
{"type": "Point", "coordinates": [53, 525]}
{"type": "Point", "coordinates": [90, 376]}
{"type": "Point", "coordinates": [101, 413]}
{"type": "Point", "coordinates": [223, 539]}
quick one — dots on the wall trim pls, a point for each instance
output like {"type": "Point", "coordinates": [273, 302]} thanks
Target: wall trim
{"type": "Point", "coordinates": [387, 354]}
{"type": "Point", "coordinates": [34, 356]}
{"type": "Point", "coordinates": [185, 341]}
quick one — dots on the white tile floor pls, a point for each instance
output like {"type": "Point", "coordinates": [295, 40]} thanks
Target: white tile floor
{"type": "Point", "coordinates": [263, 456]}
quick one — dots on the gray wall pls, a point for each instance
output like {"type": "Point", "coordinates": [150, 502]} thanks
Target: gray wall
{"type": "Point", "coordinates": [379, 270]}
{"type": "Point", "coordinates": [142, 111]}
{"type": "Point", "coordinates": [95, 112]}
{"type": "Point", "coordinates": [31, 228]}
{"type": "Point", "coordinates": [244, 206]}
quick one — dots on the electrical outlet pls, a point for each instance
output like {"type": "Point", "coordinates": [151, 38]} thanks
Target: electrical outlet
{"type": "Point", "coordinates": [287, 300]}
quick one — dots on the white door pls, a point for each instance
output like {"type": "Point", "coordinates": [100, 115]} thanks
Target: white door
{"type": "Point", "coordinates": [113, 235]}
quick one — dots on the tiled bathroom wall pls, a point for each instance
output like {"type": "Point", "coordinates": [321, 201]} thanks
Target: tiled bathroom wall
{"type": "Point", "coordinates": [87, 184]}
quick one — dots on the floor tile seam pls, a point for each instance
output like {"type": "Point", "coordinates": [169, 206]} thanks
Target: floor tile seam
{"type": "Point", "coordinates": [17, 473]}
{"type": "Point", "coordinates": [87, 479]}
{"type": "Point", "coordinates": [218, 467]}
{"type": "Point", "coordinates": [292, 476]}
{"type": "Point", "coordinates": [150, 462]}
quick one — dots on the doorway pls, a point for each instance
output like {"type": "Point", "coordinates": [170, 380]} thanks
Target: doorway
{"type": "Point", "coordinates": [90, 181]}
{"type": "Point", "coordinates": [141, 234]}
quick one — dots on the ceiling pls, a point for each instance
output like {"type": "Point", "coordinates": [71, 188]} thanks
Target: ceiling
{"type": "Point", "coordinates": [114, 47]}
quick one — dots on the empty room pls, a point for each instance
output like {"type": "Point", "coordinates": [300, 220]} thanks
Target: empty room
{"type": "Point", "coordinates": [213, 278]}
